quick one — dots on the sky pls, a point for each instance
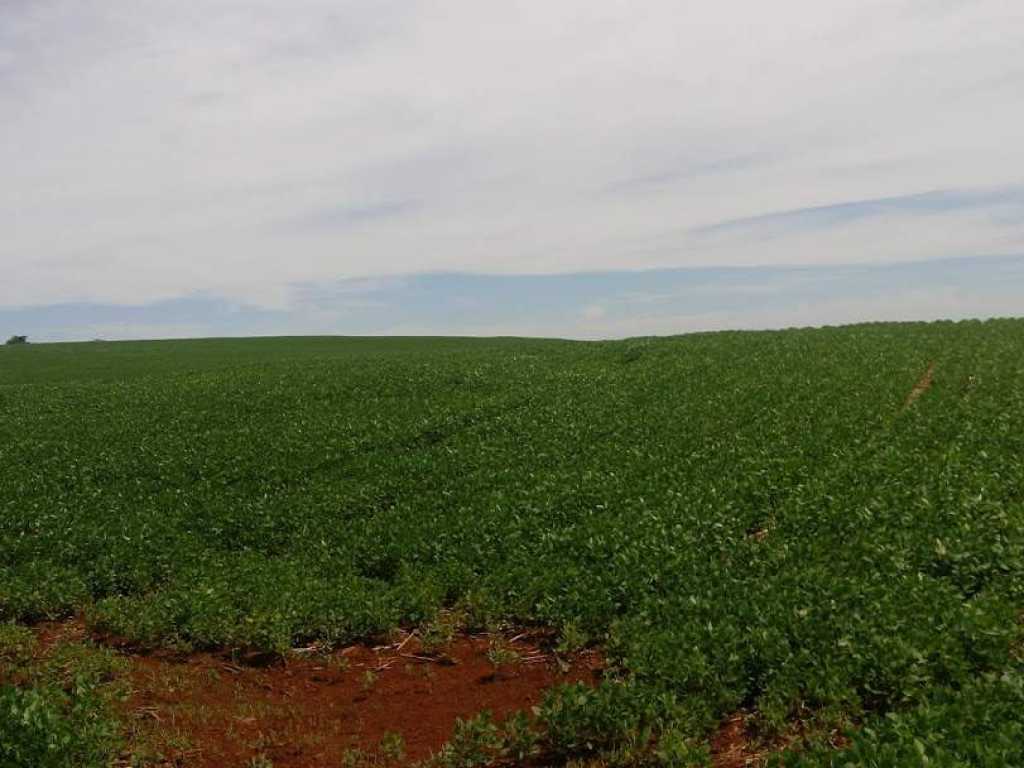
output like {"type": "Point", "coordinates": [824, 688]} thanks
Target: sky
{"type": "Point", "coordinates": [580, 168]}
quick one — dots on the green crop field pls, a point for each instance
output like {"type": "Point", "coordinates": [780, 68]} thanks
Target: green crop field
{"type": "Point", "coordinates": [799, 525]}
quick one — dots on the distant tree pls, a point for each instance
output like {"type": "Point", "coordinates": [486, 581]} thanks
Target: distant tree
{"type": "Point", "coordinates": [17, 340]}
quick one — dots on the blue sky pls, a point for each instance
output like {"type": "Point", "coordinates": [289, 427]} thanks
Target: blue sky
{"type": "Point", "coordinates": [569, 167]}
{"type": "Point", "coordinates": [581, 305]}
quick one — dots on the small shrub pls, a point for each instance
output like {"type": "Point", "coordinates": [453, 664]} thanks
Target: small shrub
{"type": "Point", "coordinates": [475, 742]}
{"type": "Point", "coordinates": [441, 630]}
{"type": "Point", "coordinates": [355, 758]}
{"type": "Point", "coordinates": [368, 680]}
{"type": "Point", "coordinates": [392, 747]}
{"type": "Point", "coordinates": [572, 638]}
{"type": "Point", "coordinates": [501, 654]}
{"type": "Point", "coordinates": [17, 645]}
{"type": "Point", "coordinates": [520, 738]}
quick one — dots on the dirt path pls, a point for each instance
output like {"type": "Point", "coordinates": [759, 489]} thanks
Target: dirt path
{"type": "Point", "coordinates": [923, 385]}
{"type": "Point", "coordinates": [732, 747]}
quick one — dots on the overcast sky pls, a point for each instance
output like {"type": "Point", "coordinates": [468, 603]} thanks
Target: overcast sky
{"type": "Point", "coordinates": [276, 158]}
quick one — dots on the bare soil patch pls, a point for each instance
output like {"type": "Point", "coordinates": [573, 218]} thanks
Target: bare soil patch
{"type": "Point", "coordinates": [734, 747]}
{"type": "Point", "coordinates": [218, 710]}
{"type": "Point", "coordinates": [923, 385]}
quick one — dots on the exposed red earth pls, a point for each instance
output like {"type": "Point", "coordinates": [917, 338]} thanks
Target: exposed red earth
{"type": "Point", "coordinates": [218, 710]}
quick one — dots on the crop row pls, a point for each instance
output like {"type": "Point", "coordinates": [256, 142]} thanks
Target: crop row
{"type": "Point", "coordinates": [745, 521]}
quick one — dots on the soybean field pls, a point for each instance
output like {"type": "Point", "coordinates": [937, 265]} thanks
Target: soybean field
{"type": "Point", "coordinates": [799, 547]}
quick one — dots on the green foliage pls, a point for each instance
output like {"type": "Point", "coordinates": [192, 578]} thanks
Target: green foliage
{"type": "Point", "coordinates": [981, 724]}
{"type": "Point", "coordinates": [62, 714]}
{"type": "Point", "coordinates": [625, 723]}
{"type": "Point", "coordinates": [474, 742]}
{"type": "Point", "coordinates": [571, 638]}
{"type": "Point", "coordinates": [392, 747]}
{"type": "Point", "coordinates": [17, 647]}
{"type": "Point", "coordinates": [441, 630]}
{"type": "Point", "coordinates": [40, 589]}
{"type": "Point", "coordinates": [521, 740]}
{"type": "Point", "coordinates": [501, 653]}
{"type": "Point", "coordinates": [743, 520]}
{"type": "Point", "coordinates": [34, 732]}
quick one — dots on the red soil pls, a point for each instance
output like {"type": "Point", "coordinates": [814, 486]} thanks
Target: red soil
{"type": "Point", "coordinates": [208, 710]}
{"type": "Point", "coordinates": [204, 710]}
{"type": "Point", "coordinates": [923, 385]}
{"type": "Point", "coordinates": [733, 747]}
{"type": "Point", "coordinates": [736, 744]}
{"type": "Point", "coordinates": [51, 633]}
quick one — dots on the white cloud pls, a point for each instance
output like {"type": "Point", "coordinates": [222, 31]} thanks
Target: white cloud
{"type": "Point", "coordinates": [151, 148]}
{"type": "Point", "coordinates": [903, 305]}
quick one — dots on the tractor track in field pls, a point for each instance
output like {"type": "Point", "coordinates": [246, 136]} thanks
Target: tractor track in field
{"type": "Point", "coordinates": [736, 743]}
{"type": "Point", "coordinates": [923, 385]}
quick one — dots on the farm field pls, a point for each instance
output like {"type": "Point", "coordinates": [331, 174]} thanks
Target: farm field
{"type": "Point", "coordinates": [802, 547]}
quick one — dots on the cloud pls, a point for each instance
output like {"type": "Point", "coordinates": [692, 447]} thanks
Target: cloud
{"type": "Point", "coordinates": [674, 173]}
{"type": "Point", "coordinates": [343, 217]}
{"type": "Point", "coordinates": [582, 305]}
{"type": "Point", "coordinates": [823, 217]}
{"type": "Point", "coordinates": [153, 150]}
